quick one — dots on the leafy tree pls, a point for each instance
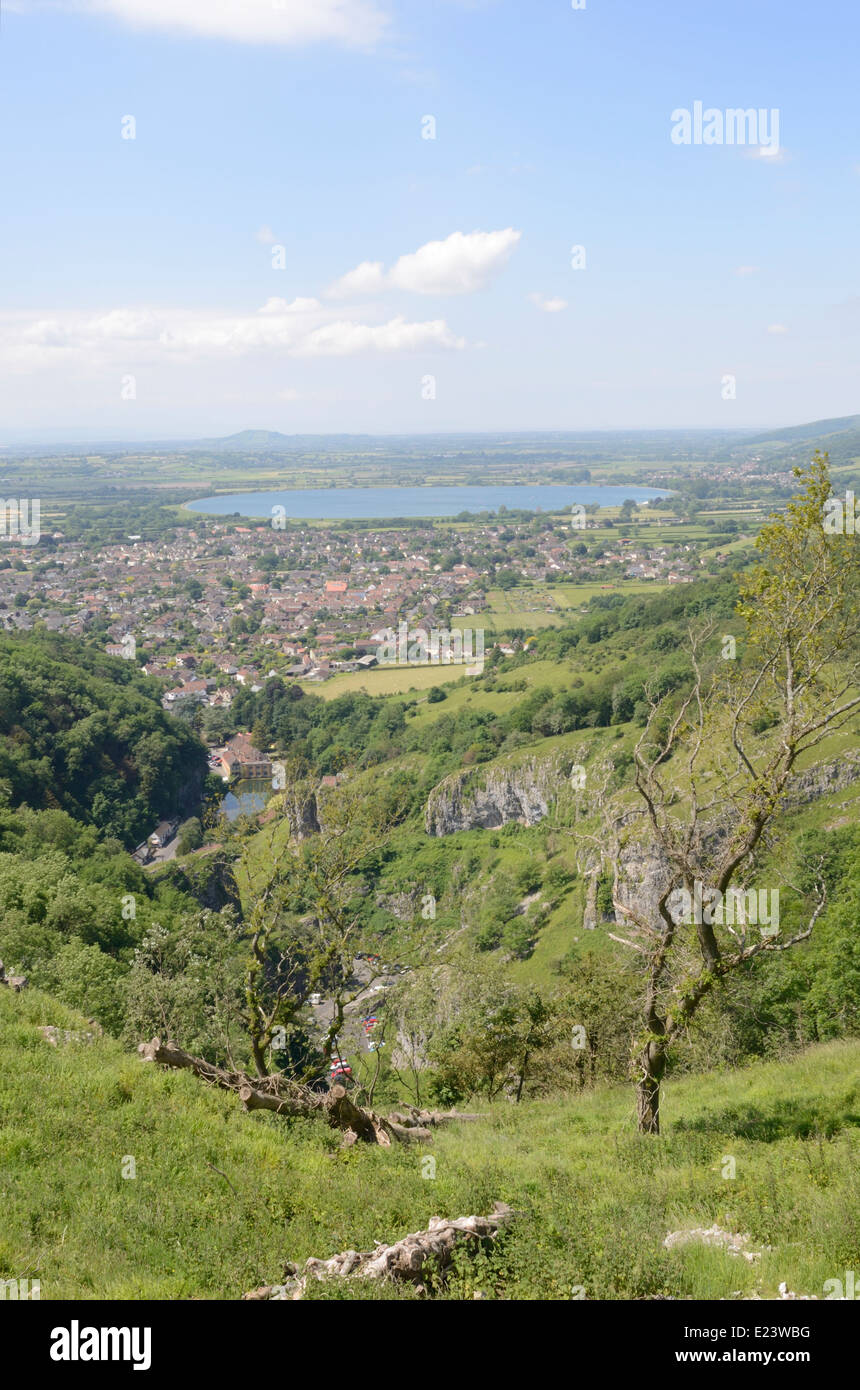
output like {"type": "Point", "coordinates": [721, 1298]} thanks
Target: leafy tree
{"type": "Point", "coordinates": [190, 836]}
{"type": "Point", "coordinates": [306, 921]}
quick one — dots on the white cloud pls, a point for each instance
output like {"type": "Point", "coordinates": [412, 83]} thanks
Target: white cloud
{"type": "Point", "coordinates": [119, 325]}
{"type": "Point", "coordinates": [296, 306]}
{"type": "Point", "coordinates": [462, 263]}
{"type": "Point", "coordinates": [344, 339]}
{"type": "Point", "coordinates": [136, 337]}
{"type": "Point", "coordinates": [767, 154]}
{"type": "Point", "coordinates": [367, 278]}
{"type": "Point", "coordinates": [549, 306]}
{"type": "Point", "coordinates": [266, 235]}
{"type": "Point", "coordinates": [356, 22]}
{"type": "Point", "coordinates": [777, 328]}
{"type": "Point", "coordinates": [746, 270]}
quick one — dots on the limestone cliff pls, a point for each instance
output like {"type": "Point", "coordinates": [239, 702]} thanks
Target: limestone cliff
{"type": "Point", "coordinates": [484, 798]}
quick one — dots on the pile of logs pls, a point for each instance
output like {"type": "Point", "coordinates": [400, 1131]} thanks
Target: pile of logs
{"type": "Point", "coordinates": [285, 1097]}
{"type": "Point", "coordinates": [15, 982]}
{"type": "Point", "coordinates": [411, 1260]}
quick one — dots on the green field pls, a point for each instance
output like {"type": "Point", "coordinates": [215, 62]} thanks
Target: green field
{"type": "Point", "coordinates": [388, 680]}
{"type": "Point", "coordinates": [545, 605]}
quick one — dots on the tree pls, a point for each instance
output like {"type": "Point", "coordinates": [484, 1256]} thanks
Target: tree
{"type": "Point", "coordinates": [508, 579]}
{"type": "Point", "coordinates": [479, 1032]}
{"type": "Point", "coordinates": [306, 891]}
{"type": "Point", "coordinates": [715, 763]}
{"type": "Point", "coordinates": [190, 836]}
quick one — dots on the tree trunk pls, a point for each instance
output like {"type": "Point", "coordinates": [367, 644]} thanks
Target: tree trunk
{"type": "Point", "coordinates": [653, 1064]}
{"type": "Point", "coordinates": [259, 1055]}
{"type": "Point", "coordinates": [521, 1081]}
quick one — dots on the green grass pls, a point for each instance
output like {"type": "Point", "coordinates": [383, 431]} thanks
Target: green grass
{"type": "Point", "coordinates": [543, 605]}
{"type": "Point", "coordinates": [597, 1200]}
{"type": "Point", "coordinates": [388, 680]}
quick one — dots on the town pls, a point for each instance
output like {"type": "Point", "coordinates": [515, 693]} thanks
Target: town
{"type": "Point", "coordinates": [210, 606]}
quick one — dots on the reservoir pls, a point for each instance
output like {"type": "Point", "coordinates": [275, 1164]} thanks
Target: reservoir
{"type": "Point", "coordinates": [387, 503]}
{"type": "Point", "coordinates": [246, 797]}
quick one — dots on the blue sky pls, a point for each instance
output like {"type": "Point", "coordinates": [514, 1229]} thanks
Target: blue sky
{"type": "Point", "coordinates": [143, 291]}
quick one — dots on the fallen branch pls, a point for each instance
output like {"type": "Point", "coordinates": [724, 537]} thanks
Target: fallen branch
{"type": "Point", "coordinates": [266, 1093]}
{"type": "Point", "coordinates": [284, 1097]}
{"type": "Point", "coordinates": [409, 1260]}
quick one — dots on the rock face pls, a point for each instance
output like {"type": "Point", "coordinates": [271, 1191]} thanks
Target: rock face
{"type": "Point", "coordinates": [484, 800]}
{"type": "Point", "coordinates": [404, 906]}
{"type": "Point", "coordinates": [304, 819]}
{"type": "Point", "coordinates": [589, 916]}
{"type": "Point", "coordinates": [642, 873]}
{"type": "Point", "coordinates": [819, 781]}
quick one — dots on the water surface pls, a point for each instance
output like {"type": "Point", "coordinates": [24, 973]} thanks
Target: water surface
{"type": "Point", "coordinates": [384, 503]}
{"type": "Point", "coordinates": [246, 797]}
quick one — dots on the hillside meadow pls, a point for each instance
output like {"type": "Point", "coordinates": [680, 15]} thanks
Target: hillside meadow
{"type": "Point", "coordinates": [221, 1199]}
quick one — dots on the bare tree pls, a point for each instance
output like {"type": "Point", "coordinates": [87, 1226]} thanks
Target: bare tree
{"type": "Point", "coordinates": [717, 761]}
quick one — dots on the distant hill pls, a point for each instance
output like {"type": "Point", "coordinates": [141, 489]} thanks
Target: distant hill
{"type": "Point", "coordinates": [272, 441]}
{"type": "Point", "coordinates": [247, 439]}
{"type": "Point", "coordinates": [778, 447]}
{"type": "Point", "coordinates": [839, 436]}
{"type": "Point", "coordinates": [816, 429]}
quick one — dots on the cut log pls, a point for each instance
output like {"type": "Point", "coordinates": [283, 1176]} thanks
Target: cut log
{"type": "Point", "coordinates": [284, 1097]}
{"type": "Point", "coordinates": [415, 1258]}
{"type": "Point", "coordinates": [263, 1093]}
{"type": "Point", "coordinates": [282, 1105]}
{"type": "Point", "coordinates": [344, 1114]}
{"type": "Point", "coordinates": [409, 1134]}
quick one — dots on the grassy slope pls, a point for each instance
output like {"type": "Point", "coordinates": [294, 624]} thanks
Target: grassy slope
{"type": "Point", "coordinates": [598, 1201]}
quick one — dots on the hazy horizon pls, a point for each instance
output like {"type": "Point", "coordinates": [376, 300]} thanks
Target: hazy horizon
{"type": "Point", "coordinates": [374, 217]}
{"type": "Point", "coordinates": [59, 437]}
